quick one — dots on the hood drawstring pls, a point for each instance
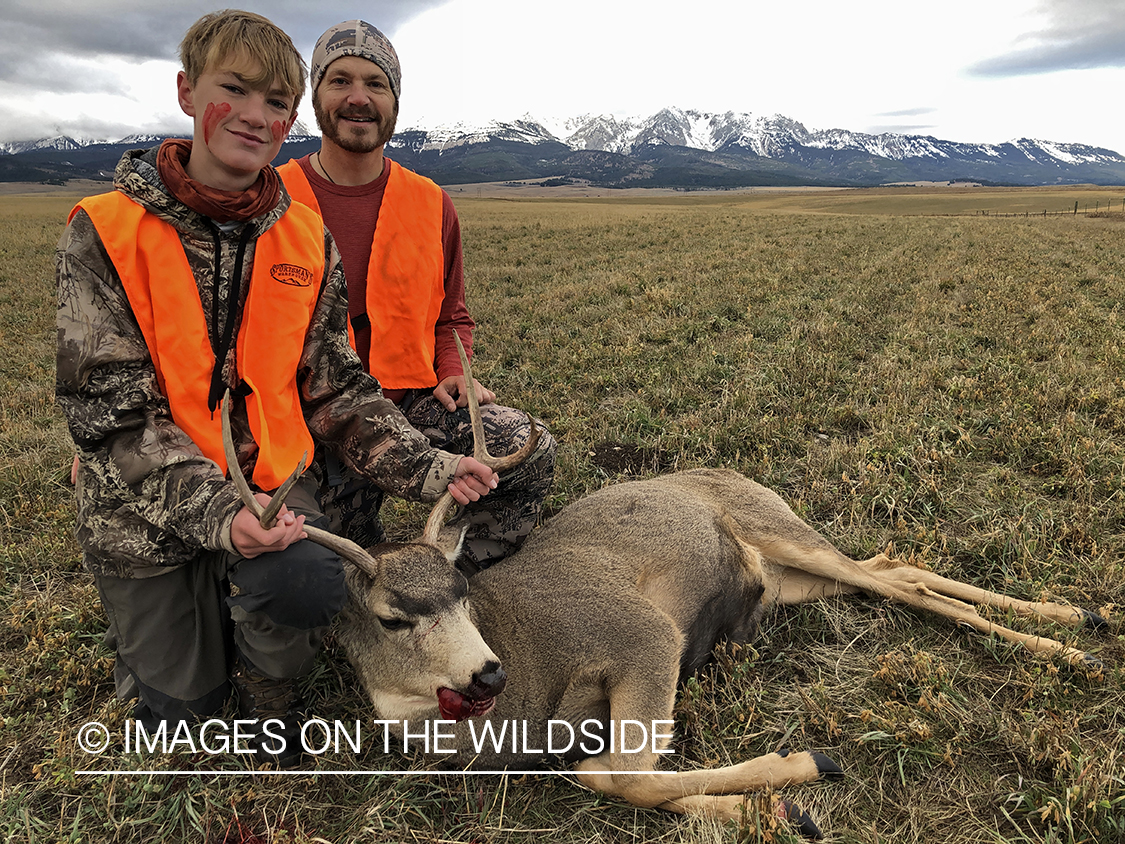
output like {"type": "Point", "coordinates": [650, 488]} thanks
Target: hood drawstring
{"type": "Point", "coordinates": [224, 340]}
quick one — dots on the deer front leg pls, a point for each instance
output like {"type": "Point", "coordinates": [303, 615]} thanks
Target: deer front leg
{"type": "Point", "coordinates": [641, 697]}
{"type": "Point", "coordinates": [651, 788]}
{"type": "Point", "coordinates": [732, 807]}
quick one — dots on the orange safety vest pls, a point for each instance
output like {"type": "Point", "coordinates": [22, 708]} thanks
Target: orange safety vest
{"type": "Point", "coordinates": [405, 275]}
{"type": "Point", "coordinates": [284, 287]}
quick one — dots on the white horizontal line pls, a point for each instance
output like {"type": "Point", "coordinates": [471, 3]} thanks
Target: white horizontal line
{"type": "Point", "coordinates": [363, 773]}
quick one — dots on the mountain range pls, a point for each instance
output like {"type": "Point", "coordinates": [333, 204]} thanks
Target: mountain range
{"type": "Point", "coordinates": [672, 148]}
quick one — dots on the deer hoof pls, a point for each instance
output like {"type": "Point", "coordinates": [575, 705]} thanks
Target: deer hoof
{"type": "Point", "coordinates": [1094, 620]}
{"type": "Point", "coordinates": [827, 769]}
{"type": "Point", "coordinates": [800, 819]}
{"type": "Point", "coordinates": [1092, 663]}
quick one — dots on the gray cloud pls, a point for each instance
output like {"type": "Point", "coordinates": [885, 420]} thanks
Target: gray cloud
{"type": "Point", "coordinates": [43, 34]}
{"type": "Point", "coordinates": [49, 71]}
{"type": "Point", "coordinates": [63, 47]}
{"type": "Point", "coordinates": [1080, 34]}
{"type": "Point", "coordinates": [900, 128]}
{"type": "Point", "coordinates": [908, 112]}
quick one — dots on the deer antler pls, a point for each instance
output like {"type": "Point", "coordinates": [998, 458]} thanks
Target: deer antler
{"type": "Point", "coordinates": [268, 515]}
{"type": "Point", "coordinates": [480, 448]}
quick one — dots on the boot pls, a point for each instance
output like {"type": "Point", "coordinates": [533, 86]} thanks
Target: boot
{"type": "Point", "coordinates": [263, 698]}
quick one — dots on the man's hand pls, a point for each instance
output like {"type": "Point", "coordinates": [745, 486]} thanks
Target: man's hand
{"type": "Point", "coordinates": [451, 393]}
{"type": "Point", "coordinates": [472, 481]}
{"type": "Point", "coordinates": [250, 540]}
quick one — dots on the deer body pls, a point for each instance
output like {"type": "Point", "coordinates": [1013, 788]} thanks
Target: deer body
{"type": "Point", "coordinates": [626, 592]}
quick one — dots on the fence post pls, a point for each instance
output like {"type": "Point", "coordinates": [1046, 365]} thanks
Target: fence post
{"type": "Point", "coordinates": [1076, 208]}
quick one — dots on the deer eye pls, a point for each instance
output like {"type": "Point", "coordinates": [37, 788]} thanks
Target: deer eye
{"type": "Point", "coordinates": [393, 623]}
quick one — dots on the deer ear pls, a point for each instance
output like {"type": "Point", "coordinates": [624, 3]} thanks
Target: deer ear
{"type": "Point", "coordinates": [450, 540]}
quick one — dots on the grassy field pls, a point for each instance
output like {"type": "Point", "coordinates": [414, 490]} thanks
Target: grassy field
{"type": "Point", "coordinates": [949, 386]}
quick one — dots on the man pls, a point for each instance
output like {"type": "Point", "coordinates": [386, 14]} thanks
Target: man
{"type": "Point", "coordinates": [195, 276]}
{"type": "Point", "coordinates": [400, 244]}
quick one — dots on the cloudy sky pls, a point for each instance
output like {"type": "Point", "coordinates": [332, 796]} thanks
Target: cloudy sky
{"type": "Point", "coordinates": [983, 71]}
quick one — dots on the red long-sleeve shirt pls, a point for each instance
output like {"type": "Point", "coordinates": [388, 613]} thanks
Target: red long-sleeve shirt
{"type": "Point", "coordinates": [351, 214]}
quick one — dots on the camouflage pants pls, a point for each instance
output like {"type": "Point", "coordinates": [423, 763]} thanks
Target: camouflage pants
{"type": "Point", "coordinates": [497, 524]}
{"type": "Point", "coordinates": [175, 633]}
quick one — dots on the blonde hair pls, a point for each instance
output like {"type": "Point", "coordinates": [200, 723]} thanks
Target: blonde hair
{"type": "Point", "coordinates": [232, 39]}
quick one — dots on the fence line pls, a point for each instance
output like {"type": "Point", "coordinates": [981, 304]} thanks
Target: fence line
{"type": "Point", "coordinates": [1086, 211]}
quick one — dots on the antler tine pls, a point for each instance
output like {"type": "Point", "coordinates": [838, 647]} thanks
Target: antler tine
{"type": "Point", "coordinates": [502, 464]}
{"type": "Point", "coordinates": [437, 518]}
{"type": "Point", "coordinates": [480, 447]}
{"type": "Point", "coordinates": [269, 514]}
{"type": "Point", "coordinates": [232, 463]}
{"type": "Point", "coordinates": [343, 547]}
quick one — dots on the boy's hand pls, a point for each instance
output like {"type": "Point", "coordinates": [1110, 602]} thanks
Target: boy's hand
{"type": "Point", "coordinates": [472, 481]}
{"type": "Point", "coordinates": [451, 393]}
{"type": "Point", "coordinates": [250, 539]}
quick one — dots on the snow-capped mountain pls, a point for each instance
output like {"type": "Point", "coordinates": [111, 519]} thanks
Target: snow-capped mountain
{"type": "Point", "coordinates": [141, 140]}
{"type": "Point", "coordinates": [775, 135]}
{"type": "Point", "coordinates": [674, 147]}
{"type": "Point", "coordinates": [58, 142]}
{"type": "Point", "coordinates": [523, 131]}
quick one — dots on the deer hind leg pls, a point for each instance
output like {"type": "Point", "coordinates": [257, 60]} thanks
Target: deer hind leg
{"type": "Point", "coordinates": [791, 586]}
{"type": "Point", "coordinates": [1059, 613]}
{"type": "Point", "coordinates": [900, 584]}
{"type": "Point", "coordinates": [904, 573]}
{"type": "Point", "coordinates": [798, 587]}
{"type": "Point", "coordinates": [954, 597]}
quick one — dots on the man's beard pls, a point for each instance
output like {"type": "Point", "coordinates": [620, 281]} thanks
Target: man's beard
{"type": "Point", "coordinates": [351, 142]}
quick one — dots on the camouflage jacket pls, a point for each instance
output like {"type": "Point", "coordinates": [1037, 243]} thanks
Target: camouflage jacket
{"type": "Point", "coordinates": [147, 498]}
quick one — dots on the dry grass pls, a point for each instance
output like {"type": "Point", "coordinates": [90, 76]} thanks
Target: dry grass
{"type": "Point", "coordinates": [949, 386]}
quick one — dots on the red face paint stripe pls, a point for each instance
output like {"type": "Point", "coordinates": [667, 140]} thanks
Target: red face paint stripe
{"type": "Point", "coordinates": [211, 117]}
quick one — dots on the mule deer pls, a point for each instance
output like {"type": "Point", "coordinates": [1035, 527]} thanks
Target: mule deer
{"type": "Point", "coordinates": [603, 611]}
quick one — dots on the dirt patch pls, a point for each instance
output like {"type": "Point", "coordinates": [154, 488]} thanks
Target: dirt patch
{"type": "Point", "coordinates": [628, 459]}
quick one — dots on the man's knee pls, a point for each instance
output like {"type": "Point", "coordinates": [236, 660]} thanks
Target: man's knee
{"type": "Point", "coordinates": [545, 450]}
{"type": "Point", "coordinates": [509, 434]}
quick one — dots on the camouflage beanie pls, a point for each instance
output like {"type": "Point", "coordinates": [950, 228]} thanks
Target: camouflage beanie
{"type": "Point", "coordinates": [355, 38]}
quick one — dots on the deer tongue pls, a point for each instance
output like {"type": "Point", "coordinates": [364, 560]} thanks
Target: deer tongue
{"type": "Point", "coordinates": [455, 706]}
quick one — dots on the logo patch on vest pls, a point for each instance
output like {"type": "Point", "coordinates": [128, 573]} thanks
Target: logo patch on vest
{"type": "Point", "coordinates": [291, 274]}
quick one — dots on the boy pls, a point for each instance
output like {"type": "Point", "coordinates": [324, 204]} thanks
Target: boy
{"type": "Point", "coordinates": [195, 275]}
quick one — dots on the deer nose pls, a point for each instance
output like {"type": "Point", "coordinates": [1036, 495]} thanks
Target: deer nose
{"type": "Point", "coordinates": [489, 681]}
